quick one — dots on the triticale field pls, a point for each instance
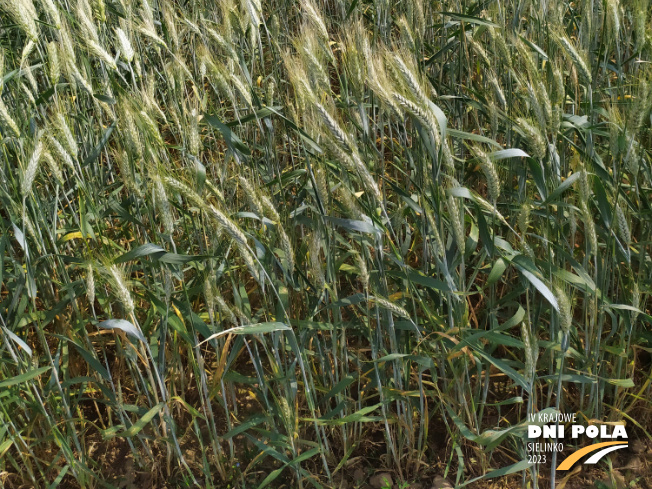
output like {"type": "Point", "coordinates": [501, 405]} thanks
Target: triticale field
{"type": "Point", "coordinates": [323, 243]}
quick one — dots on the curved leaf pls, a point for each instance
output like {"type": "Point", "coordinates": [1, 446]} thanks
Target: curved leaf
{"type": "Point", "coordinates": [123, 325]}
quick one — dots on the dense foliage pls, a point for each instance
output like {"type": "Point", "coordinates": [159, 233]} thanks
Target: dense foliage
{"type": "Point", "coordinates": [248, 241]}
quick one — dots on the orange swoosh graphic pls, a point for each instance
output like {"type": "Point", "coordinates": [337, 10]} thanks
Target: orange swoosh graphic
{"type": "Point", "coordinates": [571, 459]}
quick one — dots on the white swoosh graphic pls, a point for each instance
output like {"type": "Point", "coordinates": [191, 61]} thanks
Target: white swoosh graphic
{"type": "Point", "coordinates": [596, 457]}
